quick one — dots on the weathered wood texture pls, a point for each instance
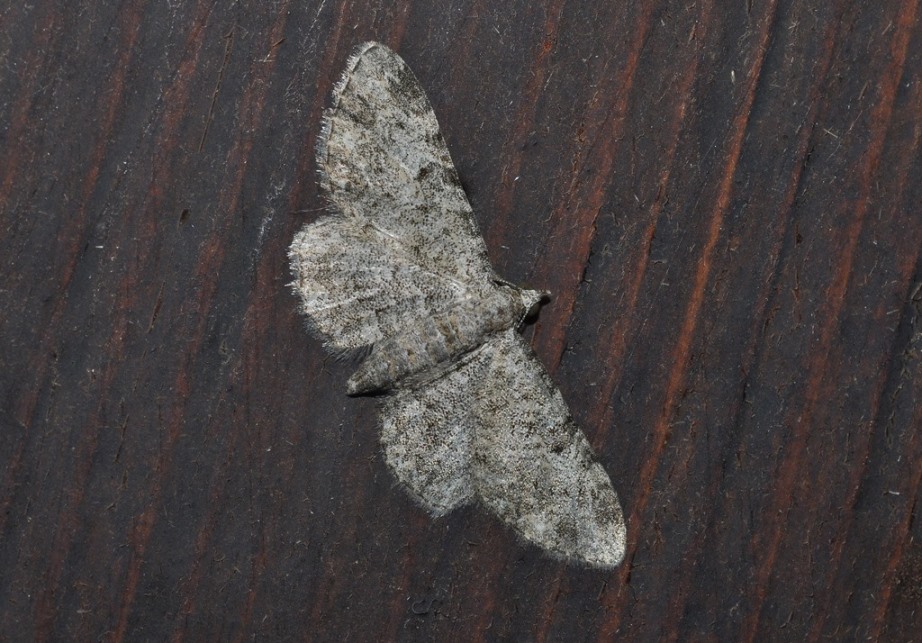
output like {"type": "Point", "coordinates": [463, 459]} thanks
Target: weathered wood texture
{"type": "Point", "coordinates": [724, 199]}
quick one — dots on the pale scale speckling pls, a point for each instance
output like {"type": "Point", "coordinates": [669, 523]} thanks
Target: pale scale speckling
{"type": "Point", "coordinates": [400, 268]}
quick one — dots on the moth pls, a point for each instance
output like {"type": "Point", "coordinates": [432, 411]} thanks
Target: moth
{"type": "Point", "coordinates": [399, 270]}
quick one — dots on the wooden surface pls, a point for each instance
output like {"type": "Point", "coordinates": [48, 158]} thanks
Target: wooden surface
{"type": "Point", "coordinates": [724, 199]}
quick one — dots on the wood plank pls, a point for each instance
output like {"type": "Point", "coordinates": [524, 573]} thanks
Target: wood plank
{"type": "Point", "coordinates": [723, 199]}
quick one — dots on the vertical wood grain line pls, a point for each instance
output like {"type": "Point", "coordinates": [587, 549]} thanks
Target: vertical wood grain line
{"type": "Point", "coordinates": [676, 382]}
{"type": "Point", "coordinates": [790, 466]}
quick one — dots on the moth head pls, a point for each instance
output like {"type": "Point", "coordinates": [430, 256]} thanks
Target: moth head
{"type": "Point", "coordinates": [532, 301]}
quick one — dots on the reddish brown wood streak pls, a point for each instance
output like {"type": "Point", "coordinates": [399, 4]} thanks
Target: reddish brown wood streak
{"type": "Point", "coordinates": [903, 162]}
{"type": "Point", "coordinates": [691, 317]}
{"type": "Point", "coordinates": [72, 238]}
{"type": "Point", "coordinates": [800, 417]}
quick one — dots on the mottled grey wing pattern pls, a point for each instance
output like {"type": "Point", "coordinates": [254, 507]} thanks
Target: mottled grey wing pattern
{"type": "Point", "coordinates": [400, 265]}
{"type": "Point", "coordinates": [383, 161]}
{"type": "Point", "coordinates": [357, 283]}
{"type": "Point", "coordinates": [497, 429]}
{"type": "Point", "coordinates": [426, 434]}
{"type": "Point", "coordinates": [532, 465]}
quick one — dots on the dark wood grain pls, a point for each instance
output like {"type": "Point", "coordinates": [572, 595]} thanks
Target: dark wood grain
{"type": "Point", "coordinates": [724, 198]}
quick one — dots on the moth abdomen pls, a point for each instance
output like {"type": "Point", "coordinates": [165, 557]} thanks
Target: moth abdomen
{"type": "Point", "coordinates": [428, 342]}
